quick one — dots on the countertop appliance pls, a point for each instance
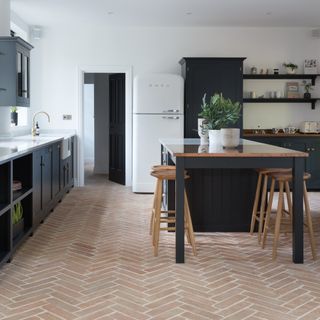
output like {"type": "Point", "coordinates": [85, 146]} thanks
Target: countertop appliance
{"type": "Point", "coordinates": [157, 113]}
{"type": "Point", "coordinates": [310, 127]}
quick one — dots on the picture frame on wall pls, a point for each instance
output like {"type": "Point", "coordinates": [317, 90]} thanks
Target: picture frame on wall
{"type": "Point", "coordinates": [292, 90]}
{"type": "Point", "coordinates": [310, 66]}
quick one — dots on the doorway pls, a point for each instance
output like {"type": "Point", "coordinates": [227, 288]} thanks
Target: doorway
{"type": "Point", "coordinates": [105, 123]}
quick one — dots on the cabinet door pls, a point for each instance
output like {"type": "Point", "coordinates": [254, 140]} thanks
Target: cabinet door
{"type": "Point", "coordinates": [37, 185]}
{"type": "Point", "coordinates": [210, 76]}
{"type": "Point", "coordinates": [46, 177]}
{"type": "Point", "coordinates": [23, 77]}
{"type": "Point", "coordinates": [312, 165]}
{"type": "Point", "coordinates": [56, 168]}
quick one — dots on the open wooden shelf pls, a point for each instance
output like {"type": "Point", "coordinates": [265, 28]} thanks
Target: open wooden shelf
{"type": "Point", "coordinates": [20, 194]}
{"type": "Point", "coordinates": [282, 100]}
{"type": "Point", "coordinates": [26, 203]}
{"type": "Point", "coordinates": [312, 77]}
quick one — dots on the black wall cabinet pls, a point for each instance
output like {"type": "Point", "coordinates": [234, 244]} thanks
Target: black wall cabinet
{"type": "Point", "coordinates": [15, 72]}
{"type": "Point", "coordinates": [209, 75]}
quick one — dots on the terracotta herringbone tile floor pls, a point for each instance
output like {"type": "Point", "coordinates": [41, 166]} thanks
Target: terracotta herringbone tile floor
{"type": "Point", "coordinates": [92, 259]}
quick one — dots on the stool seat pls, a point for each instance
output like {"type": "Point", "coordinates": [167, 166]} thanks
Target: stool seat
{"type": "Point", "coordinates": [168, 174]}
{"type": "Point", "coordinates": [288, 177]}
{"type": "Point", "coordinates": [163, 167]}
{"type": "Point", "coordinates": [273, 170]}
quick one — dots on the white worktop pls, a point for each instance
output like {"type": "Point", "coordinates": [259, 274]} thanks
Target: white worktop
{"type": "Point", "coordinates": [17, 146]}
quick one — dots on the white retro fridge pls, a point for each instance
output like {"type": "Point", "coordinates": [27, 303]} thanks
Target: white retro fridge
{"type": "Point", "coordinates": [157, 113]}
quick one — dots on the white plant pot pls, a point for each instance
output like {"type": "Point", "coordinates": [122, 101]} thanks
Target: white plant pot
{"type": "Point", "coordinates": [203, 132]}
{"type": "Point", "coordinates": [230, 137]}
{"type": "Point", "coordinates": [214, 137]}
{"type": "Point", "coordinates": [291, 71]}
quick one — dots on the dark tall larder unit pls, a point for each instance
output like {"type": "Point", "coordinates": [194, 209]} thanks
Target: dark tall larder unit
{"type": "Point", "coordinates": [219, 199]}
{"type": "Point", "coordinates": [209, 75]}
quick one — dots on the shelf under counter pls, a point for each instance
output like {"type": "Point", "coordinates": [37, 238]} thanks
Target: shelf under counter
{"type": "Point", "coordinates": [21, 194]}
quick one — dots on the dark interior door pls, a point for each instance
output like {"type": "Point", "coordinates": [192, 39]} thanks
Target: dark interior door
{"type": "Point", "coordinates": [117, 128]}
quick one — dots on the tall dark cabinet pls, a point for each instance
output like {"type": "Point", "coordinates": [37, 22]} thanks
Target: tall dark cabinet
{"type": "Point", "coordinates": [216, 196]}
{"type": "Point", "coordinates": [209, 75]}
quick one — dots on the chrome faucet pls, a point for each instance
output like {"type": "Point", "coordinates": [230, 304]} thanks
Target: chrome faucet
{"type": "Point", "coordinates": [33, 130]}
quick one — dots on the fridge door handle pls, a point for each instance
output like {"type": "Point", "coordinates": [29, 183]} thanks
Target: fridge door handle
{"type": "Point", "coordinates": [171, 111]}
{"type": "Point", "coordinates": [171, 118]}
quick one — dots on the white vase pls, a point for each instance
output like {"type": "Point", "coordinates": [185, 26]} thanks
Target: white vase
{"type": "Point", "coordinates": [214, 137]}
{"type": "Point", "coordinates": [291, 71]}
{"type": "Point", "coordinates": [203, 131]}
{"type": "Point", "coordinates": [230, 137]}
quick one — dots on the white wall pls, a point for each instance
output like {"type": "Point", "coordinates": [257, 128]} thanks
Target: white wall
{"type": "Point", "coordinates": [59, 53]}
{"type": "Point", "coordinates": [88, 106]}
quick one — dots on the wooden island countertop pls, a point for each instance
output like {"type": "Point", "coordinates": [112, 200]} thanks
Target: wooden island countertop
{"type": "Point", "coordinates": [246, 149]}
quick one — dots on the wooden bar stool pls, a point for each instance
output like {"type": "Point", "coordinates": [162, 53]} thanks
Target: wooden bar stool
{"type": "Point", "coordinates": [160, 216]}
{"type": "Point", "coordinates": [283, 180]}
{"type": "Point", "coordinates": [258, 216]}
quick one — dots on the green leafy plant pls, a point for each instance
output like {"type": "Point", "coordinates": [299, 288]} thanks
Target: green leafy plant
{"type": "Point", "coordinates": [17, 213]}
{"type": "Point", "coordinates": [290, 65]}
{"type": "Point", "coordinates": [219, 112]}
{"type": "Point", "coordinates": [13, 109]}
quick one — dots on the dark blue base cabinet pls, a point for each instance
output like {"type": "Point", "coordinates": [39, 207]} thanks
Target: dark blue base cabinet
{"type": "Point", "coordinates": [309, 144]}
{"type": "Point", "coordinates": [52, 179]}
{"type": "Point", "coordinates": [45, 178]}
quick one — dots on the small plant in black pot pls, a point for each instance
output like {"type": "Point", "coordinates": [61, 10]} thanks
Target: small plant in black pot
{"type": "Point", "coordinates": [14, 116]}
{"type": "Point", "coordinates": [307, 88]}
{"type": "Point", "coordinates": [17, 221]}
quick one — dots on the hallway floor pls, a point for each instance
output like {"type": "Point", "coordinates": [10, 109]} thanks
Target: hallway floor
{"type": "Point", "coordinates": [92, 259]}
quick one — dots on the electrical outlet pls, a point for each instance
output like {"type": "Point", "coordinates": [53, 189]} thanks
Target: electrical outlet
{"type": "Point", "coordinates": [67, 117]}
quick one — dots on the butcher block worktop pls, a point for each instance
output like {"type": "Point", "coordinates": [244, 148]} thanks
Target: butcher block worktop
{"type": "Point", "coordinates": [247, 149]}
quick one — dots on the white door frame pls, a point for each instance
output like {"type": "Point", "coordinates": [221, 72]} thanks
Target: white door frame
{"type": "Point", "coordinates": [128, 100]}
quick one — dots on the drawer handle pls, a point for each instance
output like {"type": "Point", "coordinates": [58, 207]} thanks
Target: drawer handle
{"type": "Point", "coordinates": [3, 89]}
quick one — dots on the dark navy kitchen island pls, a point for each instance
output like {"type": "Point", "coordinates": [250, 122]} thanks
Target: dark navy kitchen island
{"type": "Point", "coordinates": [189, 154]}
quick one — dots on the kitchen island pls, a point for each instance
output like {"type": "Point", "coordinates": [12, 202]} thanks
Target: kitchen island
{"type": "Point", "coordinates": [189, 154]}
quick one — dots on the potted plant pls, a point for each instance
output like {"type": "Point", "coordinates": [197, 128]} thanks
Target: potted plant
{"type": "Point", "coordinates": [307, 88]}
{"type": "Point", "coordinates": [219, 113]}
{"type": "Point", "coordinates": [290, 67]}
{"type": "Point", "coordinates": [14, 116]}
{"type": "Point", "coordinates": [17, 220]}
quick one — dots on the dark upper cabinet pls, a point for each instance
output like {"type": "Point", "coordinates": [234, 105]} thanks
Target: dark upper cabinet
{"type": "Point", "coordinates": [209, 75]}
{"type": "Point", "coordinates": [15, 72]}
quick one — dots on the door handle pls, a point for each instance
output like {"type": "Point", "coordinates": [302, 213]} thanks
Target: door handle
{"type": "Point", "coordinates": [171, 111]}
{"type": "Point", "coordinates": [171, 118]}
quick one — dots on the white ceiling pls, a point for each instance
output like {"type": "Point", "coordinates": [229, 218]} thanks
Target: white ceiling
{"type": "Point", "coordinates": [246, 13]}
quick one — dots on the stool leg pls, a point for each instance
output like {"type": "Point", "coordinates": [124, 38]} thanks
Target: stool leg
{"type": "Point", "coordinates": [157, 214]}
{"type": "Point", "coordinates": [153, 209]}
{"type": "Point", "coordinates": [278, 220]}
{"type": "Point", "coordinates": [189, 224]}
{"type": "Point", "coordinates": [287, 187]}
{"type": "Point", "coordinates": [309, 221]}
{"type": "Point", "coordinates": [263, 206]}
{"type": "Point", "coordinates": [268, 214]}
{"type": "Point", "coordinates": [255, 204]}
